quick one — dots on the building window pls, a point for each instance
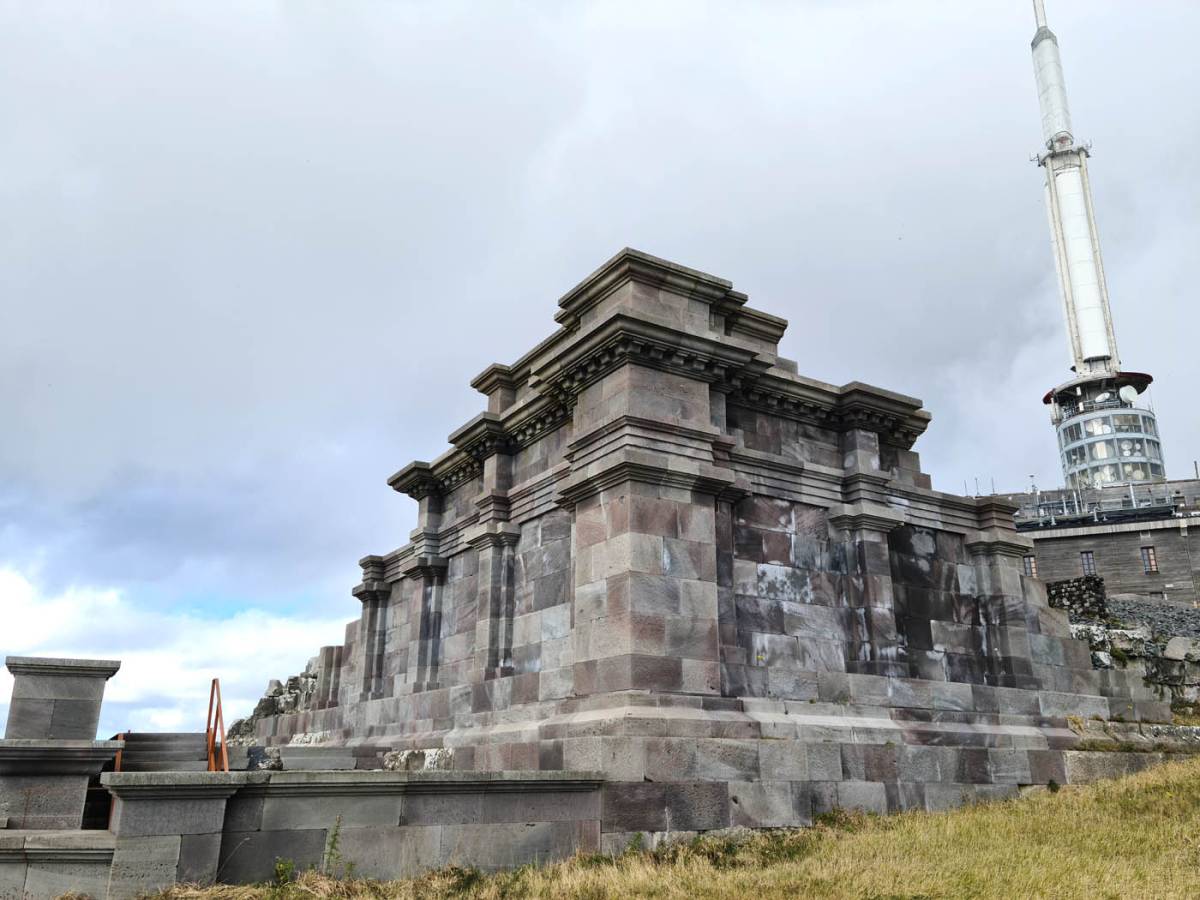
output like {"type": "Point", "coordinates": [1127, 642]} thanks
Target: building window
{"type": "Point", "coordinates": [1089, 562]}
{"type": "Point", "coordinates": [1149, 560]}
{"type": "Point", "coordinates": [1031, 566]}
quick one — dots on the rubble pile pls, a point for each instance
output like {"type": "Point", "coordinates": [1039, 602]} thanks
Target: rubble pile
{"type": "Point", "coordinates": [281, 697]}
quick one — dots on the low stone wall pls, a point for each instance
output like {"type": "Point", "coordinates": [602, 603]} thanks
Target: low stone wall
{"type": "Point", "coordinates": [37, 864]}
{"type": "Point", "coordinates": [1082, 598]}
{"type": "Point", "coordinates": [1168, 665]}
{"type": "Point", "coordinates": [234, 827]}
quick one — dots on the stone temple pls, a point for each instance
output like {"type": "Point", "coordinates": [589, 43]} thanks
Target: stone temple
{"type": "Point", "coordinates": [664, 555]}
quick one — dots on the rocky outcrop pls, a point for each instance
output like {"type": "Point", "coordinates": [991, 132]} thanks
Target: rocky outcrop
{"type": "Point", "coordinates": [281, 697]}
{"type": "Point", "coordinates": [1170, 664]}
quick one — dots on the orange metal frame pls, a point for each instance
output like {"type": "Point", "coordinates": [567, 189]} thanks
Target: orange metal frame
{"type": "Point", "coordinates": [120, 753]}
{"type": "Point", "coordinates": [218, 759]}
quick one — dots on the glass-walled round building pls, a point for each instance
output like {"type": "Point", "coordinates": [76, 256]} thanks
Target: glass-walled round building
{"type": "Point", "coordinates": [1106, 434]}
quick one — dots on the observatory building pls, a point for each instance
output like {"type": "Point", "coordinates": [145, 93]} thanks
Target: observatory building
{"type": "Point", "coordinates": [1106, 434]}
{"type": "Point", "coordinates": [1116, 515]}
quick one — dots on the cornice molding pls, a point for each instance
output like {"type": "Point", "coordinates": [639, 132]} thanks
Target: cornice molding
{"type": "Point", "coordinates": [495, 376]}
{"type": "Point", "coordinates": [425, 566]}
{"type": "Point", "coordinates": [866, 517]}
{"type": "Point", "coordinates": [899, 419]}
{"type": "Point", "coordinates": [705, 479]}
{"type": "Point", "coordinates": [634, 265]}
{"type": "Point", "coordinates": [416, 479]}
{"type": "Point", "coordinates": [623, 339]}
{"type": "Point", "coordinates": [60, 667]}
{"type": "Point", "coordinates": [482, 437]}
{"type": "Point", "coordinates": [372, 591]}
{"type": "Point", "coordinates": [493, 534]}
{"type": "Point", "coordinates": [38, 756]}
{"type": "Point", "coordinates": [998, 542]}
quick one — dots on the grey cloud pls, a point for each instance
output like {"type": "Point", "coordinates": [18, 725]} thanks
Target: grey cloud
{"type": "Point", "coordinates": [255, 252]}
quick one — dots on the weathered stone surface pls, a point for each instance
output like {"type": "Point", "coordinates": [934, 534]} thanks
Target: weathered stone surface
{"type": "Point", "coordinates": [662, 553]}
{"type": "Point", "coordinates": [56, 698]}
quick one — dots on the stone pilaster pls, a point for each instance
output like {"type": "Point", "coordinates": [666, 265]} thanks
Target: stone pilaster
{"type": "Point", "coordinates": [329, 676]}
{"type": "Point", "coordinates": [427, 568]}
{"type": "Point", "coordinates": [875, 647]}
{"type": "Point", "coordinates": [374, 593]}
{"type": "Point", "coordinates": [424, 646]}
{"type": "Point", "coordinates": [1008, 617]}
{"type": "Point", "coordinates": [497, 597]}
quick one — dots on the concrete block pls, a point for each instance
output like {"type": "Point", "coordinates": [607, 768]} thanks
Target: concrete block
{"type": "Point", "coordinates": [1010, 766]}
{"type": "Point", "coordinates": [1046, 766]}
{"type": "Point", "coordinates": [243, 812]}
{"type": "Point", "coordinates": [762, 804]}
{"type": "Point", "coordinates": [322, 810]}
{"type": "Point", "coordinates": [13, 869]}
{"type": "Point", "coordinates": [867, 796]}
{"type": "Point", "coordinates": [922, 764]}
{"type": "Point", "coordinates": [43, 801]}
{"type": "Point", "coordinates": [939, 797]}
{"type": "Point", "coordinates": [74, 719]}
{"type": "Point", "coordinates": [1083, 767]}
{"type": "Point", "coordinates": [1058, 704]}
{"type": "Point", "coordinates": [650, 806]}
{"type": "Point", "coordinates": [493, 847]}
{"type": "Point", "coordinates": [783, 760]}
{"type": "Point", "coordinates": [388, 853]}
{"type": "Point", "coordinates": [824, 762]}
{"type": "Point", "coordinates": [143, 865]}
{"type": "Point", "coordinates": [199, 857]}
{"type": "Point", "coordinates": [47, 878]}
{"type": "Point", "coordinates": [679, 759]}
{"type": "Point", "coordinates": [814, 798]}
{"type": "Point", "coordinates": [162, 815]}
{"type": "Point", "coordinates": [28, 718]}
{"type": "Point", "coordinates": [248, 857]}
{"type": "Point", "coordinates": [551, 806]}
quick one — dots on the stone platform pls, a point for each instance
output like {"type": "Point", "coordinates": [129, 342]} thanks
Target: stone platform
{"type": "Point", "coordinates": [663, 554]}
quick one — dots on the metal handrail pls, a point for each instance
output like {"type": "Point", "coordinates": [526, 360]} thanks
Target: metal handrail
{"type": "Point", "coordinates": [1070, 410]}
{"type": "Point", "coordinates": [120, 753]}
{"type": "Point", "coordinates": [214, 723]}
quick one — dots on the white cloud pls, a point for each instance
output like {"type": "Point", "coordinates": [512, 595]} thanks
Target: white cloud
{"type": "Point", "coordinates": [167, 658]}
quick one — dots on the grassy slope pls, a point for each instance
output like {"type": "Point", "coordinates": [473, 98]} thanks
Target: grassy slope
{"type": "Point", "coordinates": [1137, 837]}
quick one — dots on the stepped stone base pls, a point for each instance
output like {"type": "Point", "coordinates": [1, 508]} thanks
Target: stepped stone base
{"type": "Point", "coordinates": [663, 554]}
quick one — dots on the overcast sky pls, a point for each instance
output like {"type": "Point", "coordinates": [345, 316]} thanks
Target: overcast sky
{"type": "Point", "coordinates": [252, 253]}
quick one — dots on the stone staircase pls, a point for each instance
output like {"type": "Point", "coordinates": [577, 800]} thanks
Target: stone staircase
{"type": "Point", "coordinates": [180, 751]}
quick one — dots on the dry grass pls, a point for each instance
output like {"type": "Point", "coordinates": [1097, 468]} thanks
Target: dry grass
{"type": "Point", "coordinates": [1136, 837]}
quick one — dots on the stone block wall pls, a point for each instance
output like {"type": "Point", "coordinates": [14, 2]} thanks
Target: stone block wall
{"type": "Point", "coordinates": [661, 550]}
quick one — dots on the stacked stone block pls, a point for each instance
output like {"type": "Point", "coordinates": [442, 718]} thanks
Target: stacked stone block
{"type": "Point", "coordinates": [1082, 598]}
{"type": "Point", "coordinates": [50, 751]}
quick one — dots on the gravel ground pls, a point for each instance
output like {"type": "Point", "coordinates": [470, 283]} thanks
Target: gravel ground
{"type": "Point", "coordinates": [1172, 621]}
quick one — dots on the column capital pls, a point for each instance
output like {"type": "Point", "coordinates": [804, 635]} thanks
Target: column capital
{"type": "Point", "coordinates": [425, 566]}
{"type": "Point", "coordinates": [416, 480]}
{"type": "Point", "coordinates": [998, 542]}
{"type": "Point", "coordinates": [493, 534]}
{"type": "Point", "coordinates": [370, 591]}
{"type": "Point", "coordinates": [865, 517]}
